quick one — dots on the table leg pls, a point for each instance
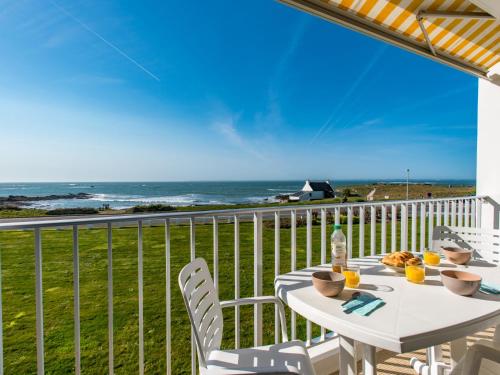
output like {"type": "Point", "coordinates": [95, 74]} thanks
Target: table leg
{"type": "Point", "coordinates": [347, 356]}
{"type": "Point", "coordinates": [369, 360]}
{"type": "Point", "coordinates": [457, 350]}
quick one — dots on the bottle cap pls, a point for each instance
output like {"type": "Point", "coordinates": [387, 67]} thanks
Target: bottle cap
{"type": "Point", "coordinates": [337, 226]}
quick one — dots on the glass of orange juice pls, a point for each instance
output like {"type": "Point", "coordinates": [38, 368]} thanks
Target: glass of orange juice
{"type": "Point", "coordinates": [352, 276]}
{"type": "Point", "coordinates": [415, 273]}
{"type": "Point", "coordinates": [431, 258]}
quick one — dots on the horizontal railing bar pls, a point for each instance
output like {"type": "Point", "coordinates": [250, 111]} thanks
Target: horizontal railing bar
{"type": "Point", "coordinates": [42, 223]}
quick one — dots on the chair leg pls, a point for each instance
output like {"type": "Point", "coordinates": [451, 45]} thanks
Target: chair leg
{"type": "Point", "coordinates": [458, 348]}
{"type": "Point", "coordinates": [369, 360]}
{"type": "Point", "coordinates": [348, 365]}
{"type": "Point", "coordinates": [434, 354]}
{"type": "Point", "coordinates": [436, 368]}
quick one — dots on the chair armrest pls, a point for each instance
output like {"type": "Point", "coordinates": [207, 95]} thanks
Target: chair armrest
{"type": "Point", "coordinates": [250, 301]}
{"type": "Point", "coordinates": [476, 353]}
{"type": "Point", "coordinates": [260, 300]}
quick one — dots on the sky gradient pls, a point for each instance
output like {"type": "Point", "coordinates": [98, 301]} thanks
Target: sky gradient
{"type": "Point", "coordinates": [180, 90]}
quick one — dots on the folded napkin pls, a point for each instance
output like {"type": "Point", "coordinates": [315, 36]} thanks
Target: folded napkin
{"type": "Point", "coordinates": [489, 288]}
{"type": "Point", "coordinates": [362, 304]}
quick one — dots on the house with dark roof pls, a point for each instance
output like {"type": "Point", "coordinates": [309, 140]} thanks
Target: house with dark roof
{"type": "Point", "coordinates": [313, 190]}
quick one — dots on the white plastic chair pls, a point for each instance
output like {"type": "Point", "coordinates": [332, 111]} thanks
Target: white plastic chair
{"type": "Point", "coordinates": [482, 358]}
{"type": "Point", "coordinates": [484, 242]}
{"type": "Point", "coordinates": [205, 313]}
{"type": "Point", "coordinates": [486, 246]}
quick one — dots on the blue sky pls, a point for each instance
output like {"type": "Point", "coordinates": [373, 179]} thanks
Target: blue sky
{"type": "Point", "coordinates": [219, 90]}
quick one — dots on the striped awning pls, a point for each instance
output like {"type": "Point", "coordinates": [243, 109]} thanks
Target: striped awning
{"type": "Point", "coordinates": [455, 32]}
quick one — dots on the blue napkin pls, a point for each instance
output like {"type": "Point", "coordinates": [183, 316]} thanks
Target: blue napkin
{"type": "Point", "coordinates": [489, 288]}
{"type": "Point", "coordinates": [362, 304]}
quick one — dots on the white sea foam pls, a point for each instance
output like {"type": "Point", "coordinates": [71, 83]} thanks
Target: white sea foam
{"type": "Point", "coordinates": [175, 200]}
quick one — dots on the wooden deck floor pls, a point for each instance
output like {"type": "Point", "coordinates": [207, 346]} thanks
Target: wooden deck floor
{"type": "Point", "coordinates": [390, 364]}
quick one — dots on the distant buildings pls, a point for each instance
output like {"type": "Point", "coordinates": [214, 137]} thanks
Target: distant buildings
{"type": "Point", "coordinates": [312, 190]}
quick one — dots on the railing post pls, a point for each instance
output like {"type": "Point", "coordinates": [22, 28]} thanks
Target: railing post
{"type": "Point", "coordinates": [141, 297]}
{"type": "Point", "coordinates": [404, 226]}
{"type": "Point", "coordinates": [479, 209]}
{"type": "Point", "coordinates": [1, 317]}
{"type": "Point", "coordinates": [361, 232]}
{"type": "Point", "coordinates": [394, 218]}
{"type": "Point", "coordinates": [293, 265]}
{"type": "Point", "coordinates": [349, 232]}
{"type": "Point", "coordinates": [323, 250]}
{"type": "Point", "coordinates": [422, 226]}
{"type": "Point", "coordinates": [467, 213]}
{"type": "Point", "coordinates": [473, 213]}
{"type": "Point", "coordinates": [192, 249]}
{"type": "Point", "coordinates": [309, 238]}
{"type": "Point", "coordinates": [373, 230]}
{"type": "Point", "coordinates": [257, 274]}
{"type": "Point", "coordinates": [111, 365]}
{"type": "Point", "coordinates": [431, 225]}
{"type": "Point", "coordinates": [414, 227]}
{"type": "Point", "coordinates": [438, 213]}
{"type": "Point", "coordinates": [236, 281]}
{"type": "Point", "coordinates": [76, 298]}
{"type": "Point", "coordinates": [383, 229]}
{"type": "Point", "coordinates": [216, 252]}
{"type": "Point", "coordinates": [39, 304]}
{"type": "Point", "coordinates": [308, 264]}
{"type": "Point", "coordinates": [168, 296]}
{"type": "Point", "coordinates": [453, 213]}
{"type": "Point", "coordinates": [323, 236]}
{"type": "Point", "coordinates": [277, 229]}
{"type": "Point", "coordinates": [460, 215]}
{"type": "Point", "coordinates": [446, 219]}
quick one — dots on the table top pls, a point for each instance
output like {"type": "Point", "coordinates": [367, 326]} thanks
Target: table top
{"type": "Point", "coordinates": [415, 315]}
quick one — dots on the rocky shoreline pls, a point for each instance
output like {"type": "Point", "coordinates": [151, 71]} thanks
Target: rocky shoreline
{"type": "Point", "coordinates": [16, 201]}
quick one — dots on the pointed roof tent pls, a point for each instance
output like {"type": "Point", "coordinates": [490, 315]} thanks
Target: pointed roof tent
{"type": "Point", "coordinates": [464, 34]}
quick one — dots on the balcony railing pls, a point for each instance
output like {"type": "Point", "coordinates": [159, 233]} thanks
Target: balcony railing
{"type": "Point", "coordinates": [104, 251]}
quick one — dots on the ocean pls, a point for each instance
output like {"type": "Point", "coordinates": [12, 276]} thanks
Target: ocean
{"type": "Point", "coordinates": [120, 195]}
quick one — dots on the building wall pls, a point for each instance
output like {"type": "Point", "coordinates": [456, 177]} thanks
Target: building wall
{"type": "Point", "coordinates": [488, 151]}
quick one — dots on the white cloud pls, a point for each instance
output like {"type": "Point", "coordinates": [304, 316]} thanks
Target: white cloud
{"type": "Point", "coordinates": [227, 129]}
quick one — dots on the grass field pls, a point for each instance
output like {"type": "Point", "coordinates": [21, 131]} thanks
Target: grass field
{"type": "Point", "coordinates": [19, 293]}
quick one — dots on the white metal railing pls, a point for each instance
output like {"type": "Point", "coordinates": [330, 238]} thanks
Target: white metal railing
{"type": "Point", "coordinates": [460, 211]}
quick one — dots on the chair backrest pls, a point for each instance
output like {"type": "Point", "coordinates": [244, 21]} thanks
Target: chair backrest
{"type": "Point", "coordinates": [203, 307]}
{"type": "Point", "coordinates": [484, 242]}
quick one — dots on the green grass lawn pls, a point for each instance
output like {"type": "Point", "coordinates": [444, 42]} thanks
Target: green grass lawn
{"type": "Point", "coordinates": [18, 282]}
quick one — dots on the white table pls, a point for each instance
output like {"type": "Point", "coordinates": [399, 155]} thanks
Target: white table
{"type": "Point", "coordinates": [414, 317]}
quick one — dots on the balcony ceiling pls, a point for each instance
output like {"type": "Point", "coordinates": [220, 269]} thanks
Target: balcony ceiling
{"type": "Point", "coordinates": [454, 32]}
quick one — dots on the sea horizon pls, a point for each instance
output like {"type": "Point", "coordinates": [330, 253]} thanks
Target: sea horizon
{"type": "Point", "coordinates": [122, 195]}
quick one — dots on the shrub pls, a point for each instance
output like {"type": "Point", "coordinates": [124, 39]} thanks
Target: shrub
{"type": "Point", "coordinates": [152, 208]}
{"type": "Point", "coordinates": [73, 211]}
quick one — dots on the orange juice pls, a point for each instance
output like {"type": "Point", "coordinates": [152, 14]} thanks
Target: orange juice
{"type": "Point", "coordinates": [431, 258]}
{"type": "Point", "coordinates": [351, 278]}
{"type": "Point", "coordinates": [415, 274]}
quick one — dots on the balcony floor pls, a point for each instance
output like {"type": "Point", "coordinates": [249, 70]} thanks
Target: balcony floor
{"type": "Point", "coordinates": [390, 364]}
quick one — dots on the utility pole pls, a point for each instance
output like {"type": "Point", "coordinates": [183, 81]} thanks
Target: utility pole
{"type": "Point", "coordinates": [407, 183]}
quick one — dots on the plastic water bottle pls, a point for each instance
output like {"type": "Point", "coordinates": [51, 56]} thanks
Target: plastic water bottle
{"type": "Point", "coordinates": [339, 249]}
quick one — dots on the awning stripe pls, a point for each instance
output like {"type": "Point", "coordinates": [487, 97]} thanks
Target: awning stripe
{"type": "Point", "coordinates": [406, 14]}
{"type": "Point", "coordinates": [457, 35]}
{"type": "Point", "coordinates": [493, 63]}
{"type": "Point", "coordinates": [481, 41]}
{"type": "Point", "coordinates": [445, 30]}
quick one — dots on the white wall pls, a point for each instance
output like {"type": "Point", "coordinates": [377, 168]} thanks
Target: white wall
{"type": "Point", "coordinates": [488, 150]}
